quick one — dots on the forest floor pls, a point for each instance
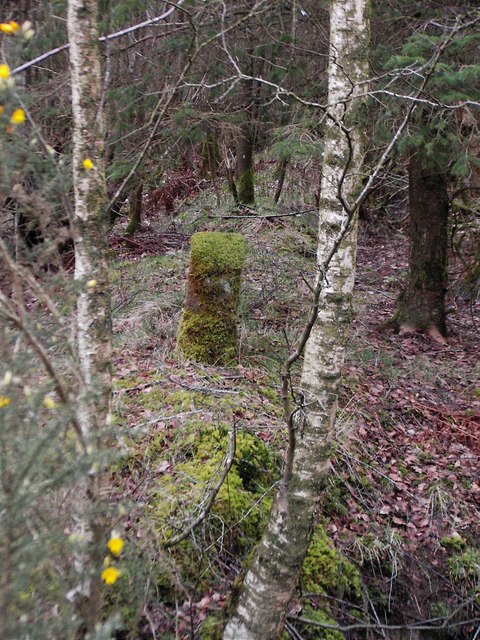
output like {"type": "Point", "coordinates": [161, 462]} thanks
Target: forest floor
{"type": "Point", "coordinates": [404, 495]}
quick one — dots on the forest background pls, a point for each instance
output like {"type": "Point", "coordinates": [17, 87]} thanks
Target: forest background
{"type": "Point", "coordinates": [131, 506]}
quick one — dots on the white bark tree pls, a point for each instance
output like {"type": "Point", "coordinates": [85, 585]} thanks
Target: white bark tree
{"type": "Point", "coordinates": [93, 318]}
{"type": "Point", "coordinates": [273, 576]}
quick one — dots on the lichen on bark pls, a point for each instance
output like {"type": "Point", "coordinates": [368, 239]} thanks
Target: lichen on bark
{"type": "Point", "coordinates": [93, 318]}
{"type": "Point", "coordinates": [208, 328]}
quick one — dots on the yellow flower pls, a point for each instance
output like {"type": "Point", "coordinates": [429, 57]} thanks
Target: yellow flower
{"type": "Point", "coordinates": [2, 109]}
{"type": "Point", "coordinates": [115, 546]}
{"type": "Point", "coordinates": [91, 284]}
{"type": "Point", "coordinates": [4, 401]}
{"type": "Point", "coordinates": [49, 403]}
{"type": "Point", "coordinates": [4, 71]}
{"type": "Point", "coordinates": [9, 27]}
{"type": "Point", "coordinates": [110, 575]}
{"type": "Point", "coordinates": [87, 164]}
{"type": "Point", "coordinates": [18, 116]}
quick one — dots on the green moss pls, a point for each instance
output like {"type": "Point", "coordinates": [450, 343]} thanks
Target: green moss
{"type": "Point", "coordinates": [127, 382]}
{"type": "Point", "coordinates": [151, 401]}
{"type": "Point", "coordinates": [465, 567]}
{"type": "Point", "coordinates": [239, 514]}
{"type": "Point", "coordinates": [325, 570]}
{"type": "Point", "coordinates": [208, 338]}
{"type": "Point", "coordinates": [313, 632]}
{"type": "Point", "coordinates": [217, 253]}
{"type": "Point", "coordinates": [453, 542]}
{"type": "Point", "coordinates": [335, 498]}
{"type": "Point", "coordinates": [326, 573]}
{"type": "Point", "coordinates": [246, 188]}
{"type": "Point", "coordinates": [212, 628]}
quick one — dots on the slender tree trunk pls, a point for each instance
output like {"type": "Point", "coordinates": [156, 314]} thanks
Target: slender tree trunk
{"type": "Point", "coordinates": [273, 576]}
{"type": "Point", "coordinates": [135, 209]}
{"type": "Point", "coordinates": [93, 321]}
{"type": "Point", "coordinates": [245, 140]}
{"type": "Point", "coordinates": [281, 173]}
{"type": "Point", "coordinates": [422, 304]}
{"type": "Point", "coordinates": [211, 156]}
{"type": "Point", "coordinates": [246, 136]}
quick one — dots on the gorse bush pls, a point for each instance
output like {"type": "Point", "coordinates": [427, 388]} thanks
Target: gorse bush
{"type": "Point", "coordinates": [49, 558]}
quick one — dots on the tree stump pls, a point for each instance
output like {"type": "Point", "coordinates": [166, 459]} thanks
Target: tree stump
{"type": "Point", "coordinates": [208, 328]}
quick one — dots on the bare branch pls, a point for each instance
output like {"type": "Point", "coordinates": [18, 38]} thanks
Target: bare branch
{"type": "Point", "coordinates": [112, 36]}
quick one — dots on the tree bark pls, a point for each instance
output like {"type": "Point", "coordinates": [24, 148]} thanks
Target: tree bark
{"type": "Point", "coordinates": [281, 173]}
{"type": "Point", "coordinates": [422, 304]}
{"type": "Point", "coordinates": [93, 319]}
{"type": "Point", "coordinates": [135, 209]}
{"type": "Point", "coordinates": [273, 576]}
{"type": "Point", "coordinates": [245, 168]}
{"type": "Point", "coordinates": [246, 137]}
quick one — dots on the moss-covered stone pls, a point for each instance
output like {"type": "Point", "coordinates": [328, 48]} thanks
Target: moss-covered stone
{"type": "Point", "coordinates": [208, 329]}
{"type": "Point", "coordinates": [241, 507]}
{"type": "Point", "coordinates": [203, 451]}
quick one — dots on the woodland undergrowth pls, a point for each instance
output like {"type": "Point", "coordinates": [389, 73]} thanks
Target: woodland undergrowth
{"type": "Point", "coordinates": [398, 538]}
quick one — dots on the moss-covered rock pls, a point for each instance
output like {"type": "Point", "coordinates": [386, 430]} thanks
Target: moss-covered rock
{"type": "Point", "coordinates": [202, 452]}
{"type": "Point", "coordinates": [208, 329]}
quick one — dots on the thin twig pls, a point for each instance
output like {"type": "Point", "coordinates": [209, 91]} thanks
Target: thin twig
{"type": "Point", "coordinates": [111, 36]}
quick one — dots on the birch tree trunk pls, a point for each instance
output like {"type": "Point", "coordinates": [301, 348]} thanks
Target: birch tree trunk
{"type": "Point", "coordinates": [93, 319]}
{"type": "Point", "coordinates": [273, 576]}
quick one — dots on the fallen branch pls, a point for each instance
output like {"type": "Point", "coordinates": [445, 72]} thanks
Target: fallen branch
{"type": "Point", "coordinates": [248, 216]}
